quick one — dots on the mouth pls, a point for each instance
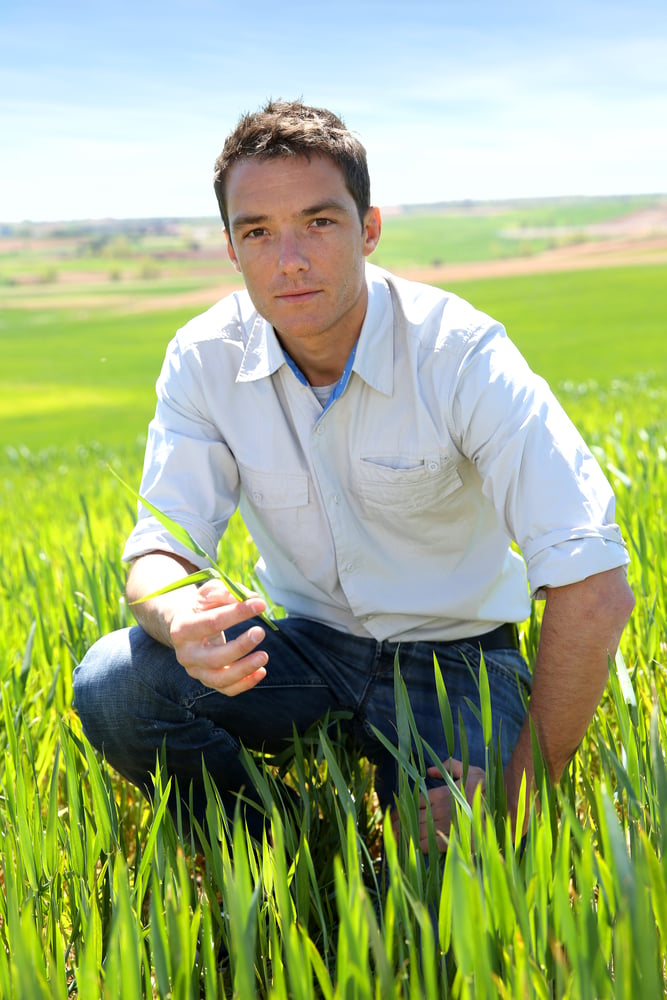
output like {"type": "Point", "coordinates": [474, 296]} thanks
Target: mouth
{"type": "Point", "coordinates": [297, 295]}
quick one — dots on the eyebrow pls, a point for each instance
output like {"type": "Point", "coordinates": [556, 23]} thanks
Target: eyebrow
{"type": "Point", "coordinates": [248, 219]}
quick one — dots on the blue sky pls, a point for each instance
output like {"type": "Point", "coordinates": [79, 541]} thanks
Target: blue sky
{"type": "Point", "coordinates": [119, 109]}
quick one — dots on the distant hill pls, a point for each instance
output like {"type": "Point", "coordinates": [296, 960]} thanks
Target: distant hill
{"type": "Point", "coordinates": [124, 259]}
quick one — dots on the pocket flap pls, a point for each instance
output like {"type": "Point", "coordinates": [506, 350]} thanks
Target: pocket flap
{"type": "Point", "coordinates": [270, 490]}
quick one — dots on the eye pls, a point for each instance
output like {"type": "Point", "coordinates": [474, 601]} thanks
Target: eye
{"type": "Point", "coordinates": [254, 234]}
{"type": "Point", "coordinates": [321, 223]}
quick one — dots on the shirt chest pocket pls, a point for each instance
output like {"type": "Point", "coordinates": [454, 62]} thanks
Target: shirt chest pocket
{"type": "Point", "coordinates": [269, 491]}
{"type": "Point", "coordinates": [406, 485]}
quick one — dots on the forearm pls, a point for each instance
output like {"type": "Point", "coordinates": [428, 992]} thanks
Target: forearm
{"type": "Point", "coordinates": [581, 629]}
{"type": "Point", "coordinates": [149, 573]}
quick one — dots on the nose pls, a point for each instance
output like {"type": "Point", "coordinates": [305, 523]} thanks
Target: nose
{"type": "Point", "coordinates": [292, 256]}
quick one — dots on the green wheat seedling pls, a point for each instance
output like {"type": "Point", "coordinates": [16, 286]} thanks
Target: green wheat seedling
{"type": "Point", "coordinates": [104, 894]}
{"type": "Point", "coordinates": [212, 572]}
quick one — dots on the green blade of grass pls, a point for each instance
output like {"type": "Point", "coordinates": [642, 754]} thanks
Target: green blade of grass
{"type": "Point", "coordinates": [242, 593]}
{"type": "Point", "coordinates": [444, 706]}
{"type": "Point", "coordinates": [193, 578]}
{"type": "Point", "coordinates": [180, 534]}
{"type": "Point", "coordinates": [173, 527]}
{"type": "Point", "coordinates": [485, 701]}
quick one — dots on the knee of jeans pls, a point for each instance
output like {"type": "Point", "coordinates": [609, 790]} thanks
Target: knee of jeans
{"type": "Point", "coordinates": [97, 679]}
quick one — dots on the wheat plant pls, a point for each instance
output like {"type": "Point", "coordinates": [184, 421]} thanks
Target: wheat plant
{"type": "Point", "coordinates": [104, 894]}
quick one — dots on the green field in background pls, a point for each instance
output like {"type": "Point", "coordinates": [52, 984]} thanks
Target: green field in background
{"type": "Point", "coordinates": [71, 377]}
{"type": "Point", "coordinates": [424, 238]}
{"type": "Point", "coordinates": [137, 255]}
{"type": "Point", "coordinates": [582, 325]}
{"type": "Point", "coordinates": [98, 893]}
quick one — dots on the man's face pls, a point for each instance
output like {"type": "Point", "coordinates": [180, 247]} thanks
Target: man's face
{"type": "Point", "coordinates": [296, 237]}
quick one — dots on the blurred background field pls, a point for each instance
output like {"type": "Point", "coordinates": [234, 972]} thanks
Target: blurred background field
{"type": "Point", "coordinates": [98, 897]}
{"type": "Point", "coordinates": [87, 309]}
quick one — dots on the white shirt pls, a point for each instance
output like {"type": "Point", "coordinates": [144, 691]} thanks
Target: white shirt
{"type": "Point", "coordinates": [391, 512]}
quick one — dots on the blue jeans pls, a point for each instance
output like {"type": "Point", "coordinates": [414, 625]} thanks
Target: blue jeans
{"type": "Point", "coordinates": [132, 696]}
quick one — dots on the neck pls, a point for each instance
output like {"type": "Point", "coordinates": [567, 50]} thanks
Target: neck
{"type": "Point", "coordinates": [321, 362]}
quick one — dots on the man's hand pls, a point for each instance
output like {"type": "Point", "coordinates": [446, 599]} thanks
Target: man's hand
{"type": "Point", "coordinates": [440, 802]}
{"type": "Point", "coordinates": [193, 622]}
{"type": "Point", "coordinates": [197, 634]}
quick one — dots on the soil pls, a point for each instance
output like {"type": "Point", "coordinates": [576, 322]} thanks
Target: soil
{"type": "Point", "coordinates": [635, 239]}
{"type": "Point", "coordinates": [604, 253]}
{"type": "Point", "coordinates": [621, 252]}
{"type": "Point", "coordinates": [639, 238]}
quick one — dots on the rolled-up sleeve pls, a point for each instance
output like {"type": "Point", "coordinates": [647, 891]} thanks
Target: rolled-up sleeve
{"type": "Point", "coordinates": [189, 472]}
{"type": "Point", "coordinates": [536, 469]}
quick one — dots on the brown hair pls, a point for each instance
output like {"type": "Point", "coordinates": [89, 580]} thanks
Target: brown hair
{"type": "Point", "coordinates": [290, 128]}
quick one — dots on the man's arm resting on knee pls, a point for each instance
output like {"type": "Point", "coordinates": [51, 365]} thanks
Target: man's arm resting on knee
{"type": "Point", "coordinates": [192, 621]}
{"type": "Point", "coordinates": [149, 573]}
{"type": "Point", "coordinates": [581, 628]}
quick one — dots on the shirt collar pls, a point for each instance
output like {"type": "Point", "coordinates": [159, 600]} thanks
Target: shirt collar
{"type": "Point", "coordinates": [263, 354]}
{"type": "Point", "coordinates": [373, 358]}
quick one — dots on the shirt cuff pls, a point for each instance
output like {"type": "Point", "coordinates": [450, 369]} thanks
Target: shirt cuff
{"type": "Point", "coordinates": [150, 536]}
{"type": "Point", "coordinates": [574, 559]}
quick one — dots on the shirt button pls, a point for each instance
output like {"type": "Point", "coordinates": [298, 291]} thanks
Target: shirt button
{"type": "Point", "coordinates": [433, 466]}
{"type": "Point", "coordinates": [257, 496]}
{"type": "Point", "coordinates": [336, 498]}
{"type": "Point", "coordinates": [319, 429]}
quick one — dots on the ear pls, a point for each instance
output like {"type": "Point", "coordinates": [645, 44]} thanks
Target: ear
{"type": "Point", "coordinates": [231, 253]}
{"type": "Point", "coordinates": [371, 230]}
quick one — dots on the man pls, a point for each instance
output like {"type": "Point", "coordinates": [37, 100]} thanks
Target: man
{"type": "Point", "coordinates": [386, 443]}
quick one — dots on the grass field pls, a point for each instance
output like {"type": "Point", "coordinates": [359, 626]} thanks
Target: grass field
{"type": "Point", "coordinates": [141, 252]}
{"type": "Point", "coordinates": [100, 897]}
{"type": "Point", "coordinates": [81, 376]}
{"type": "Point", "coordinates": [457, 236]}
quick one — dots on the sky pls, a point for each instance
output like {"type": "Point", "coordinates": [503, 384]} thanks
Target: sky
{"type": "Point", "coordinates": [119, 109]}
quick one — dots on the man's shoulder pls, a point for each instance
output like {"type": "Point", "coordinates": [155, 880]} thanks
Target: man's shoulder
{"type": "Point", "coordinates": [405, 289]}
{"type": "Point", "coordinates": [433, 314]}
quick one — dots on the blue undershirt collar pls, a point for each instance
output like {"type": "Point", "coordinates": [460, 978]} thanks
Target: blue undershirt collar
{"type": "Point", "coordinates": [340, 385]}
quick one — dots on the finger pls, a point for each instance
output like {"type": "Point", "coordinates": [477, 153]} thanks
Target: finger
{"type": "Point", "coordinates": [233, 678]}
{"type": "Point", "coordinates": [225, 653]}
{"type": "Point", "coordinates": [218, 639]}
{"type": "Point", "coordinates": [206, 622]}
{"type": "Point", "coordinates": [214, 661]}
{"type": "Point", "coordinates": [478, 778]}
{"type": "Point", "coordinates": [451, 764]}
{"type": "Point", "coordinates": [221, 616]}
{"type": "Point", "coordinates": [214, 650]}
{"type": "Point", "coordinates": [245, 684]}
{"type": "Point", "coordinates": [441, 837]}
{"type": "Point", "coordinates": [214, 593]}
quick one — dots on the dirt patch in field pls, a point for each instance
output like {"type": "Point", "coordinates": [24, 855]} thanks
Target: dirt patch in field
{"type": "Point", "coordinates": [639, 238]}
{"type": "Point", "coordinates": [580, 256]}
{"type": "Point", "coordinates": [584, 256]}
